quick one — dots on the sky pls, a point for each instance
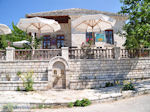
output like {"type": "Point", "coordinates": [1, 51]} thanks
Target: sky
{"type": "Point", "coordinates": [13, 10]}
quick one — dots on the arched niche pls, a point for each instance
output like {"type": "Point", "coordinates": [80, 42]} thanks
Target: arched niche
{"type": "Point", "coordinates": [58, 71]}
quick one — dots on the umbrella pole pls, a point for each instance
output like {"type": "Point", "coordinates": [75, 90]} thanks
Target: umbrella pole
{"type": "Point", "coordinates": [93, 37]}
{"type": "Point", "coordinates": [33, 38]}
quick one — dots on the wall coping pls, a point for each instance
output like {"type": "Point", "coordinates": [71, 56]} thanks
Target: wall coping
{"type": "Point", "coordinates": [9, 82]}
{"type": "Point", "coordinates": [109, 59]}
{"type": "Point", "coordinates": [4, 61]}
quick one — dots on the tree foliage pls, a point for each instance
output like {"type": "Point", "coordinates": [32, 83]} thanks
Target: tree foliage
{"type": "Point", "coordinates": [137, 29]}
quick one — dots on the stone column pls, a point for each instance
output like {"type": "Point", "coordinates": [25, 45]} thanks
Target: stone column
{"type": "Point", "coordinates": [10, 54]}
{"type": "Point", "coordinates": [65, 52]}
{"type": "Point", "coordinates": [116, 51]}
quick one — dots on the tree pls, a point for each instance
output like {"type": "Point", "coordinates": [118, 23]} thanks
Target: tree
{"type": "Point", "coordinates": [18, 35]}
{"type": "Point", "coordinates": [137, 29]}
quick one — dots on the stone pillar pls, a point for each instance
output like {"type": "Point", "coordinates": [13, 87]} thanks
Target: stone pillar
{"type": "Point", "coordinates": [50, 83]}
{"type": "Point", "coordinates": [65, 52]}
{"type": "Point", "coordinates": [116, 51]}
{"type": "Point", "coordinates": [10, 54]}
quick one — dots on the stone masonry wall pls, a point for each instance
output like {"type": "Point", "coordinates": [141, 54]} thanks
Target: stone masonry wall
{"type": "Point", "coordinates": [82, 73]}
{"type": "Point", "coordinates": [95, 73]}
{"type": "Point", "coordinates": [10, 81]}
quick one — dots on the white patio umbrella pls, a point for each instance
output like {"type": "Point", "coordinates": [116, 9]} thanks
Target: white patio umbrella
{"type": "Point", "coordinates": [4, 29]}
{"type": "Point", "coordinates": [93, 23]}
{"type": "Point", "coordinates": [20, 43]}
{"type": "Point", "coordinates": [38, 25]}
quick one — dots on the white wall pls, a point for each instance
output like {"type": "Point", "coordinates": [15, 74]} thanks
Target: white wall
{"type": "Point", "coordinates": [79, 37]}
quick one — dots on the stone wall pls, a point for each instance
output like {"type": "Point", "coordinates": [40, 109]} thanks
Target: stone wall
{"type": "Point", "coordinates": [9, 69]}
{"type": "Point", "coordinates": [95, 73]}
{"type": "Point", "coordinates": [80, 73]}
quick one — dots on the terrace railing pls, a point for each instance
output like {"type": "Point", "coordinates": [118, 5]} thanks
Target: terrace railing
{"type": "Point", "coordinates": [91, 53]}
{"type": "Point", "coordinates": [134, 53]}
{"type": "Point", "coordinates": [37, 54]}
{"type": "Point", "coordinates": [2, 54]}
{"type": "Point", "coordinates": [11, 54]}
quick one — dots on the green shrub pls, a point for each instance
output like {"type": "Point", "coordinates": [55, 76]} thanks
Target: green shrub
{"type": "Point", "coordinates": [40, 106]}
{"type": "Point", "coordinates": [85, 102]}
{"type": "Point", "coordinates": [70, 104]}
{"type": "Point", "coordinates": [27, 79]}
{"type": "Point", "coordinates": [108, 84]}
{"type": "Point", "coordinates": [77, 103]}
{"type": "Point", "coordinates": [28, 84]}
{"type": "Point", "coordinates": [8, 107]}
{"type": "Point", "coordinates": [19, 73]}
{"type": "Point", "coordinates": [128, 86]}
{"type": "Point", "coordinates": [18, 88]}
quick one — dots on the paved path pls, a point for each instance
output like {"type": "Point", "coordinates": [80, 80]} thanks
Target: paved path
{"type": "Point", "coordinates": [135, 104]}
{"type": "Point", "coordinates": [66, 96]}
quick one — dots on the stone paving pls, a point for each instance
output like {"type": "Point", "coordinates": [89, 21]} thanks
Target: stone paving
{"type": "Point", "coordinates": [135, 104]}
{"type": "Point", "coordinates": [66, 96]}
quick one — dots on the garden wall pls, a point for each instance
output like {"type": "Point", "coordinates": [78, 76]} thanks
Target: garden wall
{"type": "Point", "coordinates": [95, 73]}
{"type": "Point", "coordinates": [82, 73]}
{"type": "Point", "coordinates": [9, 69]}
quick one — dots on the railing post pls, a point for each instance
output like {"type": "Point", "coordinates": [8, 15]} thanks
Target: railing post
{"type": "Point", "coordinates": [10, 54]}
{"type": "Point", "coordinates": [65, 52]}
{"type": "Point", "coordinates": [116, 51]}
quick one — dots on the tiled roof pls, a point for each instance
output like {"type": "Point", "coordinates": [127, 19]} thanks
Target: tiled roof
{"type": "Point", "coordinates": [72, 11]}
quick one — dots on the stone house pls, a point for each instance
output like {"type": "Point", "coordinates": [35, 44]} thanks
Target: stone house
{"type": "Point", "coordinates": [69, 37]}
{"type": "Point", "coordinates": [72, 68]}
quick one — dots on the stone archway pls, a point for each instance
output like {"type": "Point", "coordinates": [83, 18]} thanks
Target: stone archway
{"type": "Point", "coordinates": [58, 70]}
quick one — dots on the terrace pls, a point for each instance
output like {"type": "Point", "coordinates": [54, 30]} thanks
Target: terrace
{"type": "Point", "coordinates": [11, 54]}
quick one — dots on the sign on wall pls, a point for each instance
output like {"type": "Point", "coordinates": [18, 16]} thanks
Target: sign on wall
{"type": "Point", "coordinates": [100, 37]}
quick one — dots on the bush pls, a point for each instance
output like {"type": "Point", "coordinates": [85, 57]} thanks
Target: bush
{"type": "Point", "coordinates": [8, 107]}
{"type": "Point", "coordinates": [128, 86]}
{"type": "Point", "coordinates": [40, 106]}
{"type": "Point", "coordinates": [18, 88]}
{"type": "Point", "coordinates": [70, 104]}
{"type": "Point", "coordinates": [108, 84]}
{"type": "Point", "coordinates": [85, 102]}
{"type": "Point", "coordinates": [28, 84]}
{"type": "Point", "coordinates": [19, 73]}
{"type": "Point", "coordinates": [27, 79]}
{"type": "Point", "coordinates": [77, 103]}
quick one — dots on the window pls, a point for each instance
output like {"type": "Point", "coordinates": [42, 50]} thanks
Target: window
{"type": "Point", "coordinates": [60, 41]}
{"type": "Point", "coordinates": [49, 42]}
{"type": "Point", "coordinates": [109, 36]}
{"type": "Point", "coordinates": [89, 36]}
{"type": "Point", "coordinates": [46, 42]}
